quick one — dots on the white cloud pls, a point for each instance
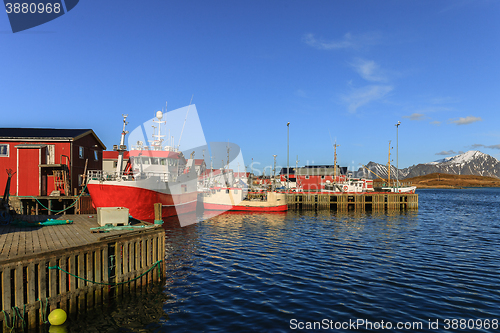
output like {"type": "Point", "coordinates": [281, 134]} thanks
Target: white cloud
{"type": "Point", "coordinates": [369, 70]}
{"type": "Point", "coordinates": [365, 95]}
{"type": "Point", "coordinates": [449, 152]}
{"type": "Point", "coordinates": [348, 41]}
{"type": "Point", "coordinates": [415, 116]}
{"type": "Point", "coordinates": [436, 122]}
{"type": "Point", "coordinates": [477, 145]}
{"type": "Point", "coordinates": [466, 120]}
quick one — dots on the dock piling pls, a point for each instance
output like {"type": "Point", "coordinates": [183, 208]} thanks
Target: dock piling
{"type": "Point", "coordinates": [352, 201]}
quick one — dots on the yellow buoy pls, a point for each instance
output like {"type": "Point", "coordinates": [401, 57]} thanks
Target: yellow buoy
{"type": "Point", "coordinates": [57, 317]}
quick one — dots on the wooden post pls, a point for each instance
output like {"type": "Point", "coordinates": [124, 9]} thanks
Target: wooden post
{"type": "Point", "coordinates": [118, 268]}
{"type": "Point", "coordinates": [81, 283]}
{"type": "Point", "coordinates": [72, 283]}
{"type": "Point", "coordinates": [53, 282]}
{"type": "Point", "coordinates": [105, 273]}
{"type": "Point", "coordinates": [98, 276]}
{"type": "Point", "coordinates": [144, 249]}
{"type": "Point", "coordinates": [31, 294]}
{"type": "Point", "coordinates": [158, 213]}
{"type": "Point", "coordinates": [90, 277]}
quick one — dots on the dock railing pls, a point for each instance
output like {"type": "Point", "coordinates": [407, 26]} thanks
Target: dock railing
{"type": "Point", "coordinates": [80, 278]}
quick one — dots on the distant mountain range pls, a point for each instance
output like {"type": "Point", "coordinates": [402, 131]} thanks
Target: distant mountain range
{"type": "Point", "coordinates": [472, 162]}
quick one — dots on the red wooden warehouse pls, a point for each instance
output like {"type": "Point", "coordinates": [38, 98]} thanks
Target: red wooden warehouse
{"type": "Point", "coordinates": [47, 161]}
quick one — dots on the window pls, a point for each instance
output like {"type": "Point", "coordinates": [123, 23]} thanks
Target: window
{"type": "Point", "coordinates": [307, 177]}
{"type": "Point", "coordinates": [96, 155]}
{"type": "Point", "coordinates": [51, 154]}
{"type": "Point", "coordinates": [80, 152]}
{"type": "Point", "coordinates": [4, 150]}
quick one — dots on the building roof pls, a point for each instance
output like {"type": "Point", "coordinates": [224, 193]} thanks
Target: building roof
{"type": "Point", "coordinates": [113, 155]}
{"type": "Point", "coordinates": [199, 161]}
{"type": "Point", "coordinates": [46, 134]}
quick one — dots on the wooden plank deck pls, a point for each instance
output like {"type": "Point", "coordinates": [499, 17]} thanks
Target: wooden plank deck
{"type": "Point", "coordinates": [17, 242]}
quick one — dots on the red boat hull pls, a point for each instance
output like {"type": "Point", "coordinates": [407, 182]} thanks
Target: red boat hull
{"type": "Point", "coordinates": [140, 201]}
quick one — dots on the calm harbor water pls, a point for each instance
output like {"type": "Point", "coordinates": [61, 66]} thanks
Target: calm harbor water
{"type": "Point", "coordinates": [283, 272]}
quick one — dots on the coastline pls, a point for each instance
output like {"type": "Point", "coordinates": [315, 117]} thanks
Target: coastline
{"type": "Point", "coordinates": [449, 181]}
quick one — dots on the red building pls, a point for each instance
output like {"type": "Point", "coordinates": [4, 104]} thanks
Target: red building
{"type": "Point", "coordinates": [312, 178]}
{"type": "Point", "coordinates": [46, 160]}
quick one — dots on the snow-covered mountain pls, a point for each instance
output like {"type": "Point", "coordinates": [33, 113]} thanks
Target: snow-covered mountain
{"type": "Point", "coordinates": [472, 162]}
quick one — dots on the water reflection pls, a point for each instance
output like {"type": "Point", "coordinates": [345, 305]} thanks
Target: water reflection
{"type": "Point", "coordinates": [256, 272]}
{"type": "Point", "coordinates": [134, 312]}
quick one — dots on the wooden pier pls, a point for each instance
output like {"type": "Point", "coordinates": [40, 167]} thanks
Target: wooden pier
{"type": "Point", "coordinates": [352, 201]}
{"type": "Point", "coordinates": [70, 268]}
{"type": "Point", "coordinates": [47, 205]}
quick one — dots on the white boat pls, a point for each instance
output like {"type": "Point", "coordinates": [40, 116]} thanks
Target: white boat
{"type": "Point", "coordinates": [399, 189]}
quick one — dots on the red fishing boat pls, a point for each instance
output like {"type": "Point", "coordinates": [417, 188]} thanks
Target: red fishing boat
{"type": "Point", "coordinates": [154, 174]}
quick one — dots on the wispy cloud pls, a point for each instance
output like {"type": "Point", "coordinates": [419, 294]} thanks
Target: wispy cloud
{"type": "Point", "coordinates": [478, 145]}
{"type": "Point", "coordinates": [466, 120]}
{"type": "Point", "coordinates": [449, 152]}
{"type": "Point", "coordinates": [369, 70]}
{"type": "Point", "coordinates": [415, 116]}
{"type": "Point", "coordinates": [435, 122]}
{"type": "Point", "coordinates": [446, 153]}
{"type": "Point", "coordinates": [365, 95]}
{"type": "Point", "coordinates": [347, 41]}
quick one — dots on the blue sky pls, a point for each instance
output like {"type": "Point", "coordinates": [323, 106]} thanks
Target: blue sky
{"type": "Point", "coordinates": [341, 69]}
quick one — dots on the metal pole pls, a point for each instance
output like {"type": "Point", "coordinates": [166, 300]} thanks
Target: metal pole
{"type": "Point", "coordinates": [397, 155]}
{"type": "Point", "coordinates": [287, 156]}
{"type": "Point", "coordinates": [274, 174]}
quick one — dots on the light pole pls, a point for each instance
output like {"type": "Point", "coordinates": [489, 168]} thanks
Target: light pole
{"type": "Point", "coordinates": [274, 174]}
{"type": "Point", "coordinates": [397, 155]}
{"type": "Point", "coordinates": [287, 156]}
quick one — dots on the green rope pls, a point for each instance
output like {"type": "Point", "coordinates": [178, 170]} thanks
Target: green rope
{"type": "Point", "coordinates": [16, 313]}
{"type": "Point", "coordinates": [105, 283]}
{"type": "Point", "coordinates": [60, 211]}
{"type": "Point", "coordinates": [44, 315]}
{"type": "Point", "coordinates": [6, 317]}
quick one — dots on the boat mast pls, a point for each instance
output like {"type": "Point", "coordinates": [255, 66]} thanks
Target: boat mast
{"type": "Point", "coordinates": [122, 148]}
{"type": "Point", "coordinates": [182, 130]}
{"type": "Point", "coordinates": [274, 174]}
{"type": "Point", "coordinates": [389, 164]}
{"type": "Point", "coordinates": [157, 138]}
{"type": "Point", "coordinates": [335, 161]}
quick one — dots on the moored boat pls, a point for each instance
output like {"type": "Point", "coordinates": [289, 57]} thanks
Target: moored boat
{"type": "Point", "coordinates": [154, 174]}
{"type": "Point", "coordinates": [238, 199]}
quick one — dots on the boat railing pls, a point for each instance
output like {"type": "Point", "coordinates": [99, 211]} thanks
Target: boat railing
{"type": "Point", "coordinates": [401, 184]}
{"type": "Point", "coordinates": [113, 175]}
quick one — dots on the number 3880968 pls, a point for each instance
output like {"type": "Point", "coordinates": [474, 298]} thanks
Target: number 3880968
{"type": "Point", "coordinates": [40, 8]}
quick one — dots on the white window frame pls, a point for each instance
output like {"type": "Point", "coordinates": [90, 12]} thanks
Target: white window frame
{"type": "Point", "coordinates": [7, 150]}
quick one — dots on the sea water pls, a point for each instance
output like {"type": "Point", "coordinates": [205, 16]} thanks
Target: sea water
{"type": "Point", "coordinates": [436, 269]}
